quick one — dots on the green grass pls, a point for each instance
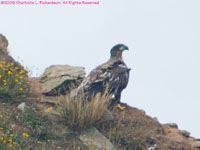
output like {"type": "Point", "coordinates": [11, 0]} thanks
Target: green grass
{"type": "Point", "coordinates": [34, 130]}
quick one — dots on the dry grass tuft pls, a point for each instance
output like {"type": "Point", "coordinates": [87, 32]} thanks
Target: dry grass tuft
{"type": "Point", "coordinates": [80, 113]}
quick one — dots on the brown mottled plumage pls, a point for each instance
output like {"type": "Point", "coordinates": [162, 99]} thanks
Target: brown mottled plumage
{"type": "Point", "coordinates": [112, 75]}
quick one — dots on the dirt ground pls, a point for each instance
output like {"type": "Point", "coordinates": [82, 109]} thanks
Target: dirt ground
{"type": "Point", "coordinates": [135, 123]}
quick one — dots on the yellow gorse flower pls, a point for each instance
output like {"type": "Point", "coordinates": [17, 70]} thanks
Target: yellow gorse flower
{"type": "Point", "coordinates": [21, 72]}
{"type": "Point", "coordinates": [25, 134]}
{"type": "Point", "coordinates": [49, 108]}
{"type": "Point", "coordinates": [9, 72]}
{"type": "Point", "coordinates": [10, 140]}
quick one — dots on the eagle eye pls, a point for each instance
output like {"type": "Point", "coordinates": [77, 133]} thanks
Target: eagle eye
{"type": "Point", "coordinates": [121, 48]}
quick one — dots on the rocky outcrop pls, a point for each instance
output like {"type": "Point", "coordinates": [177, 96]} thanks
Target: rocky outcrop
{"type": "Point", "coordinates": [174, 133]}
{"type": "Point", "coordinates": [3, 44]}
{"type": "Point", "coordinates": [196, 144]}
{"type": "Point", "coordinates": [4, 56]}
{"type": "Point", "coordinates": [60, 79]}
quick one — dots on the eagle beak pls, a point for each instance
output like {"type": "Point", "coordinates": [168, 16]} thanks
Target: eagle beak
{"type": "Point", "coordinates": [123, 48]}
{"type": "Point", "coordinates": [126, 48]}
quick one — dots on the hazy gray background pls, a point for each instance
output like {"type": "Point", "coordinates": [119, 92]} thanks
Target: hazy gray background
{"type": "Point", "coordinates": [163, 38]}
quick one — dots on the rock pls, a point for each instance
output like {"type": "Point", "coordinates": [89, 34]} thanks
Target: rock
{"type": "Point", "coordinates": [172, 125]}
{"type": "Point", "coordinates": [60, 79]}
{"type": "Point", "coordinates": [3, 43]}
{"type": "Point", "coordinates": [153, 147]}
{"type": "Point", "coordinates": [196, 144]}
{"type": "Point", "coordinates": [3, 50]}
{"type": "Point", "coordinates": [94, 140]}
{"type": "Point", "coordinates": [21, 106]}
{"type": "Point", "coordinates": [185, 133]}
{"type": "Point", "coordinates": [4, 55]}
{"type": "Point", "coordinates": [49, 100]}
{"type": "Point", "coordinates": [155, 118]}
{"type": "Point", "coordinates": [16, 127]}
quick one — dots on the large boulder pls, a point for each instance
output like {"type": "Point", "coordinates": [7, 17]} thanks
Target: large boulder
{"type": "Point", "coordinates": [94, 140]}
{"type": "Point", "coordinates": [60, 79]}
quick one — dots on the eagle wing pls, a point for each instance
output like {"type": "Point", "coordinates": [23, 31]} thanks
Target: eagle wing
{"type": "Point", "coordinates": [113, 75]}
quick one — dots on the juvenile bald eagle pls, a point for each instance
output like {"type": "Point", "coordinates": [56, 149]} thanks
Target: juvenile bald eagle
{"type": "Point", "coordinates": [112, 75]}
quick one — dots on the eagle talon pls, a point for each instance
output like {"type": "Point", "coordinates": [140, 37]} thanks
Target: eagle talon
{"type": "Point", "coordinates": [120, 107]}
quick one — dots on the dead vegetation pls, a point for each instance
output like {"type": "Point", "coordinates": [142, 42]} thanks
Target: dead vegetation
{"type": "Point", "coordinates": [79, 113]}
{"type": "Point", "coordinates": [132, 129]}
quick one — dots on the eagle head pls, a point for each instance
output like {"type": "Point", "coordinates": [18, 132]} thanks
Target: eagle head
{"type": "Point", "coordinates": [117, 50]}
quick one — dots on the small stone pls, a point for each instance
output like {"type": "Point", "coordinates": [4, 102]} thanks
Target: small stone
{"type": "Point", "coordinates": [21, 106]}
{"type": "Point", "coordinates": [15, 127]}
{"type": "Point", "coordinates": [172, 125]}
{"type": "Point", "coordinates": [153, 147]}
{"type": "Point", "coordinates": [185, 133]}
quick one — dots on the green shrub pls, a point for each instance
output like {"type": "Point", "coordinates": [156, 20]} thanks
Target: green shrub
{"type": "Point", "coordinates": [13, 81]}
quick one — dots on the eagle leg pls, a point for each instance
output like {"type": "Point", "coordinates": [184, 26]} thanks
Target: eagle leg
{"type": "Point", "coordinates": [117, 100]}
{"type": "Point", "coordinates": [117, 97]}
